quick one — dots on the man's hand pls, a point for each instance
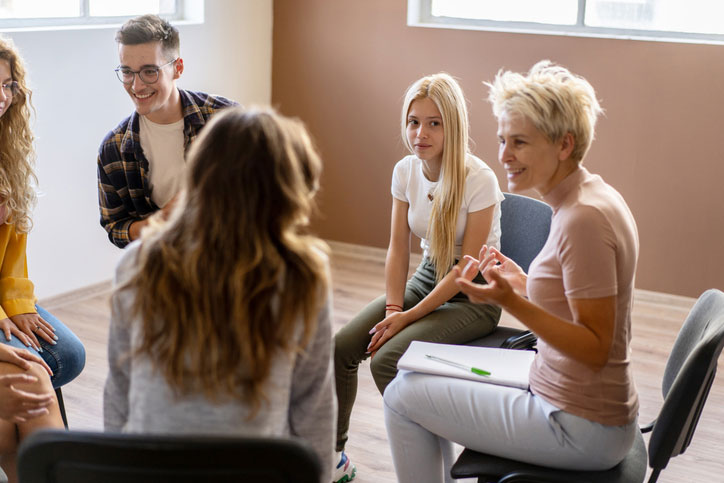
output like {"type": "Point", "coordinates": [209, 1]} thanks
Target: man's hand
{"type": "Point", "coordinates": [134, 229]}
{"type": "Point", "coordinates": [170, 205]}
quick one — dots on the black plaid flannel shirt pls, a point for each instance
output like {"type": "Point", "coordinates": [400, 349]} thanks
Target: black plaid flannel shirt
{"type": "Point", "coordinates": [124, 194]}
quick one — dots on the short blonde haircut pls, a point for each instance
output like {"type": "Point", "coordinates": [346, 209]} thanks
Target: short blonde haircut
{"type": "Point", "coordinates": [447, 95]}
{"type": "Point", "coordinates": [555, 100]}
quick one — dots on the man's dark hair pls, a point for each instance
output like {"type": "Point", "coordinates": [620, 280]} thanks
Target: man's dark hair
{"type": "Point", "coordinates": [150, 28]}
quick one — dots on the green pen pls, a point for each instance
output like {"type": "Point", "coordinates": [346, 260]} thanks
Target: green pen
{"type": "Point", "coordinates": [474, 370]}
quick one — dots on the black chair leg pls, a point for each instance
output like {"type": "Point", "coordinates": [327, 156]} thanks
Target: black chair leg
{"type": "Point", "coordinates": [61, 406]}
{"type": "Point", "coordinates": [654, 475]}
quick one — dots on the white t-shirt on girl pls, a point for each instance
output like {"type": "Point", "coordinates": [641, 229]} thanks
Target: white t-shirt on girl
{"type": "Point", "coordinates": [410, 185]}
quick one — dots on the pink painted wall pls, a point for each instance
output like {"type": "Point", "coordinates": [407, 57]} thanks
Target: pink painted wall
{"type": "Point", "coordinates": [343, 66]}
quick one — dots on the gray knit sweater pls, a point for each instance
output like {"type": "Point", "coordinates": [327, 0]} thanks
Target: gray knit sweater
{"type": "Point", "coordinates": [300, 388]}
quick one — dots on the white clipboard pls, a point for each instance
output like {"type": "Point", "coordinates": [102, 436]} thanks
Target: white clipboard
{"type": "Point", "coordinates": [507, 367]}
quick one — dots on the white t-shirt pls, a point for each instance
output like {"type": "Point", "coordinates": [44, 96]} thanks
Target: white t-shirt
{"type": "Point", "coordinates": [410, 185]}
{"type": "Point", "coordinates": [163, 146]}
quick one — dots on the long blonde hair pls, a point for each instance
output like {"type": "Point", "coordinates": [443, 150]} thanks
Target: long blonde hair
{"type": "Point", "coordinates": [221, 286]}
{"type": "Point", "coordinates": [447, 95]}
{"type": "Point", "coordinates": [17, 156]}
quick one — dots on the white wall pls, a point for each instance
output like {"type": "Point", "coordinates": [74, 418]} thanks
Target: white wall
{"type": "Point", "coordinates": [78, 100]}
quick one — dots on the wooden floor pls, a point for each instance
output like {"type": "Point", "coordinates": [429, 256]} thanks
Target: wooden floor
{"type": "Point", "coordinates": [358, 278]}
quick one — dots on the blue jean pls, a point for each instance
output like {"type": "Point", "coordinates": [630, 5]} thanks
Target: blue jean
{"type": "Point", "coordinates": [66, 358]}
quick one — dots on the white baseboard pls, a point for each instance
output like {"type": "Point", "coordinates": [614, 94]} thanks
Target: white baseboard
{"type": "Point", "coordinates": [77, 295]}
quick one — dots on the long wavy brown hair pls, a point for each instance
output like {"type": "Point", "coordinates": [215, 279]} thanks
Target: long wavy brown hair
{"type": "Point", "coordinates": [17, 155]}
{"type": "Point", "coordinates": [233, 278]}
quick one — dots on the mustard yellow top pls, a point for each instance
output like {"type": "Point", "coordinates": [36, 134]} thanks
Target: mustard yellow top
{"type": "Point", "coordinates": [16, 291]}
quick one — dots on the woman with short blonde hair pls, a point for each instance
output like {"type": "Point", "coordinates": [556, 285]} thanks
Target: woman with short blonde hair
{"type": "Point", "coordinates": [556, 101]}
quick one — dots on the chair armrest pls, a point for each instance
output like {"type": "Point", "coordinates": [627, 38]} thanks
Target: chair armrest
{"type": "Point", "coordinates": [526, 340]}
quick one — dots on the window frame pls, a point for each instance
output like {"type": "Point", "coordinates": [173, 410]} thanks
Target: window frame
{"type": "Point", "coordinates": [185, 10]}
{"type": "Point", "coordinates": [419, 14]}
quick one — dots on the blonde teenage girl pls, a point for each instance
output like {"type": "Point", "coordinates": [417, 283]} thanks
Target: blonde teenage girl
{"type": "Point", "coordinates": [451, 200]}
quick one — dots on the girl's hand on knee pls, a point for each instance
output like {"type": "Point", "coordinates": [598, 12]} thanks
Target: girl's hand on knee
{"type": "Point", "coordinates": [17, 405]}
{"type": "Point", "coordinates": [34, 326]}
{"type": "Point", "coordinates": [376, 336]}
{"type": "Point", "coordinates": [386, 329]}
{"type": "Point", "coordinates": [9, 329]}
{"type": "Point", "coordinates": [21, 358]}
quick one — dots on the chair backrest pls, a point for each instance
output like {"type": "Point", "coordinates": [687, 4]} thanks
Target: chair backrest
{"type": "Point", "coordinates": [71, 457]}
{"type": "Point", "coordinates": [688, 376]}
{"type": "Point", "coordinates": [524, 224]}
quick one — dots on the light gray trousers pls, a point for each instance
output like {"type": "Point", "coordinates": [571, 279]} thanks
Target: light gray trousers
{"type": "Point", "coordinates": [424, 414]}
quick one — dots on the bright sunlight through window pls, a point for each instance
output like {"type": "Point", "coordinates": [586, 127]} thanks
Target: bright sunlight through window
{"type": "Point", "coordinates": [670, 20]}
{"type": "Point", "coordinates": [29, 13]}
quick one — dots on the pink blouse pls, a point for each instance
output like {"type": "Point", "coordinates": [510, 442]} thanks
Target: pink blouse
{"type": "Point", "coordinates": [591, 252]}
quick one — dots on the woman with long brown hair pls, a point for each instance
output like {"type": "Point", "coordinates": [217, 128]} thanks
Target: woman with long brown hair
{"type": "Point", "coordinates": [221, 315]}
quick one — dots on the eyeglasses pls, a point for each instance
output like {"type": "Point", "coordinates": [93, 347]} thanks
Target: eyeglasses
{"type": "Point", "coordinates": [11, 88]}
{"type": "Point", "coordinates": [148, 75]}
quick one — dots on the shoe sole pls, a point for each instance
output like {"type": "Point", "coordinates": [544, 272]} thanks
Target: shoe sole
{"type": "Point", "coordinates": [348, 478]}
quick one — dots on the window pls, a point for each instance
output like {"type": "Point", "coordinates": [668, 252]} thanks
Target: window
{"type": "Point", "coordinates": [43, 13]}
{"type": "Point", "coordinates": [669, 20]}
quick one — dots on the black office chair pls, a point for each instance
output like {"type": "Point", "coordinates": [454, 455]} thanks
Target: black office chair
{"type": "Point", "coordinates": [524, 225]}
{"type": "Point", "coordinates": [688, 376]}
{"type": "Point", "coordinates": [73, 457]}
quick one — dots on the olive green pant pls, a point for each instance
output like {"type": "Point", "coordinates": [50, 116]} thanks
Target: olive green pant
{"type": "Point", "coordinates": [457, 321]}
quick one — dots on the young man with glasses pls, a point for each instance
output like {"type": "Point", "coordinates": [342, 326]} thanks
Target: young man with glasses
{"type": "Point", "coordinates": [141, 161]}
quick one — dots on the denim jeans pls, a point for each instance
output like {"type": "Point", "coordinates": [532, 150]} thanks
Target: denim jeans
{"type": "Point", "coordinates": [66, 358]}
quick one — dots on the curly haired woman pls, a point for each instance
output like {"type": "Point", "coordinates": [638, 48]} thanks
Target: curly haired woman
{"type": "Point", "coordinates": [53, 348]}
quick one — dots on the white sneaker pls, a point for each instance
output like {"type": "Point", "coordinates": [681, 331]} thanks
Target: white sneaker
{"type": "Point", "coordinates": [344, 471]}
